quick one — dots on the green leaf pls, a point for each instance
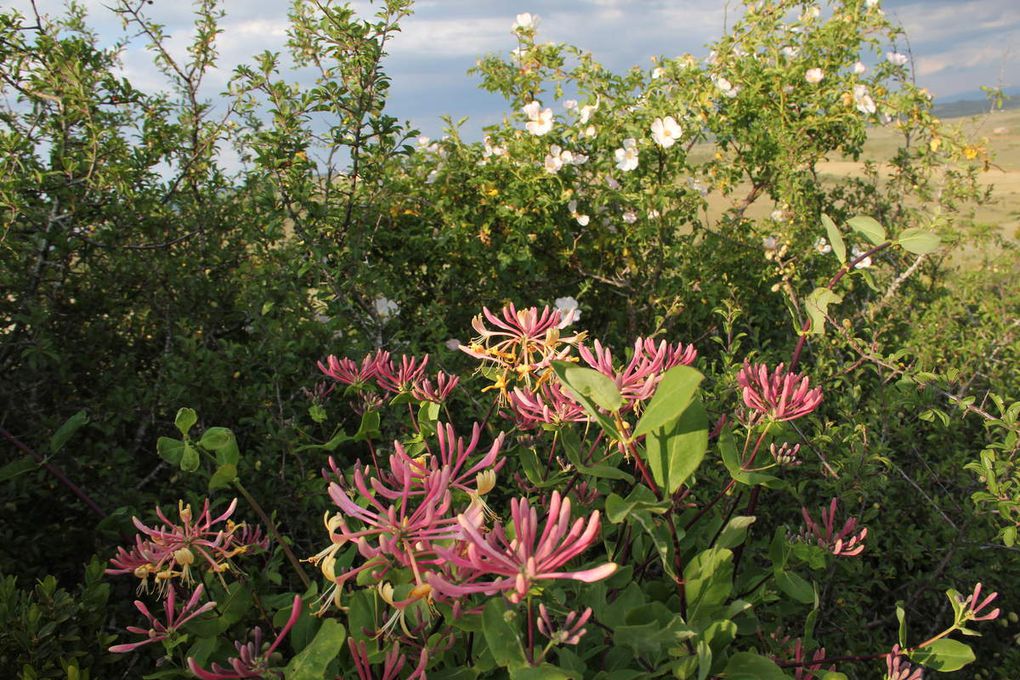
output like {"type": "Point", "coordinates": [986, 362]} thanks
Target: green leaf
{"type": "Point", "coordinates": [750, 666]}
{"type": "Point", "coordinates": [944, 655]}
{"type": "Point", "coordinates": [709, 577]}
{"type": "Point", "coordinates": [676, 451]}
{"type": "Point", "coordinates": [185, 420]}
{"type": "Point", "coordinates": [170, 450]}
{"type": "Point", "coordinates": [224, 475]}
{"type": "Point", "coordinates": [189, 458]}
{"type": "Point", "coordinates": [216, 438]}
{"type": "Point", "coordinates": [589, 385]}
{"type": "Point", "coordinates": [735, 531]}
{"type": "Point", "coordinates": [544, 672]}
{"type": "Point", "coordinates": [918, 241]}
{"type": "Point", "coordinates": [369, 427]}
{"type": "Point", "coordinates": [901, 616]}
{"type": "Point", "coordinates": [835, 238]}
{"type": "Point", "coordinates": [868, 227]}
{"type": "Point", "coordinates": [795, 586]}
{"type": "Point", "coordinates": [678, 387]}
{"type": "Point", "coordinates": [17, 467]}
{"type": "Point", "coordinates": [70, 426]}
{"type": "Point", "coordinates": [704, 659]}
{"type": "Point", "coordinates": [640, 499]}
{"type": "Point", "coordinates": [501, 637]}
{"type": "Point", "coordinates": [337, 439]}
{"type": "Point", "coordinates": [313, 661]}
{"type": "Point", "coordinates": [817, 307]}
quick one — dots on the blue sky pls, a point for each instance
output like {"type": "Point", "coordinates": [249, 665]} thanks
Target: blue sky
{"type": "Point", "coordinates": [958, 45]}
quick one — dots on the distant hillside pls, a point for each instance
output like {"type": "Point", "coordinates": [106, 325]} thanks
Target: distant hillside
{"type": "Point", "coordinates": [975, 106]}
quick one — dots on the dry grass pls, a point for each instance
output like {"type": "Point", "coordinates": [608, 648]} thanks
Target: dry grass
{"type": "Point", "coordinates": [1001, 130]}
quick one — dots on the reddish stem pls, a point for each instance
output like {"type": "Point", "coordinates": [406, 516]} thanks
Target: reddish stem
{"type": "Point", "coordinates": [843, 271]}
{"type": "Point", "coordinates": [54, 470]}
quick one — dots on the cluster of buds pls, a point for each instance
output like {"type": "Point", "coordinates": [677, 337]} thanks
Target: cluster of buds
{"type": "Point", "coordinates": [173, 619]}
{"type": "Point", "coordinates": [252, 660]}
{"type": "Point", "coordinates": [897, 666]}
{"type": "Point", "coordinates": [391, 376]}
{"type": "Point", "coordinates": [786, 455]}
{"type": "Point", "coordinates": [175, 549]}
{"type": "Point", "coordinates": [847, 542]}
{"type": "Point", "coordinates": [569, 633]}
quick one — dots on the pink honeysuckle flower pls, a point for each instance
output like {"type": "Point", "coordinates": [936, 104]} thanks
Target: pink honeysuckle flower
{"type": "Point", "coordinates": [639, 378]}
{"type": "Point", "coordinates": [160, 630]}
{"type": "Point", "coordinates": [844, 543]}
{"type": "Point", "coordinates": [412, 476]}
{"type": "Point", "coordinates": [346, 372]}
{"type": "Point", "coordinates": [897, 666]}
{"type": "Point", "coordinates": [548, 405]}
{"type": "Point", "coordinates": [570, 633]}
{"type": "Point", "coordinates": [392, 664]}
{"type": "Point", "coordinates": [170, 550]}
{"type": "Point", "coordinates": [517, 563]}
{"type": "Point", "coordinates": [424, 390]}
{"type": "Point", "coordinates": [805, 672]}
{"type": "Point", "coordinates": [251, 661]}
{"type": "Point", "coordinates": [973, 604]}
{"type": "Point", "coordinates": [394, 379]}
{"type": "Point", "coordinates": [780, 395]}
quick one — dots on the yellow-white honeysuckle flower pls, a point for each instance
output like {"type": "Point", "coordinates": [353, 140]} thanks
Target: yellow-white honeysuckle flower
{"type": "Point", "coordinates": [666, 131]}
{"type": "Point", "coordinates": [814, 75]}
{"type": "Point", "coordinates": [896, 58]}
{"type": "Point", "coordinates": [540, 121]}
{"type": "Point", "coordinates": [525, 21]}
{"type": "Point", "coordinates": [581, 218]}
{"type": "Point", "coordinates": [627, 156]}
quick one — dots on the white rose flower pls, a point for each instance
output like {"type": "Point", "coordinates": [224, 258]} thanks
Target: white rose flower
{"type": "Point", "coordinates": [859, 68]}
{"type": "Point", "coordinates": [856, 252]}
{"type": "Point", "coordinates": [666, 131]}
{"type": "Point", "coordinates": [822, 246]}
{"type": "Point", "coordinates": [526, 21]}
{"type": "Point", "coordinates": [725, 86]}
{"type": "Point", "coordinates": [540, 121]}
{"type": "Point", "coordinates": [865, 104]}
{"type": "Point", "coordinates": [386, 308]}
{"type": "Point", "coordinates": [790, 52]}
{"type": "Point", "coordinates": [627, 157]}
{"type": "Point", "coordinates": [569, 312]}
{"type": "Point", "coordinates": [553, 160]}
{"type": "Point", "coordinates": [581, 218]}
{"type": "Point", "coordinates": [896, 59]}
{"type": "Point", "coordinates": [814, 75]}
{"type": "Point", "coordinates": [657, 72]}
{"type": "Point", "coordinates": [630, 217]}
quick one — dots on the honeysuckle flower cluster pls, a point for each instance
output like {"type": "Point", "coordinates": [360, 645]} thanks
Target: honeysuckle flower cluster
{"type": "Point", "coordinates": [404, 376]}
{"type": "Point", "coordinates": [173, 619]}
{"type": "Point", "coordinates": [897, 666]}
{"type": "Point", "coordinates": [522, 343]}
{"type": "Point", "coordinates": [252, 661]}
{"type": "Point", "coordinates": [847, 542]}
{"type": "Point", "coordinates": [638, 379]}
{"type": "Point", "coordinates": [779, 395]}
{"type": "Point", "coordinates": [569, 632]}
{"type": "Point", "coordinates": [174, 550]}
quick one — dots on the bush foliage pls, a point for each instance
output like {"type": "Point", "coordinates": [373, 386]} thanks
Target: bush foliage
{"type": "Point", "coordinates": [569, 407]}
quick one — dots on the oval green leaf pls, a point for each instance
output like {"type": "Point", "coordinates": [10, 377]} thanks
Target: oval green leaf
{"type": "Point", "coordinates": [672, 396]}
{"type": "Point", "coordinates": [918, 241]}
{"type": "Point", "coordinates": [835, 238]}
{"type": "Point", "coordinates": [868, 227]}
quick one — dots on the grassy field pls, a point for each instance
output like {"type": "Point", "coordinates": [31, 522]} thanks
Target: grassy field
{"type": "Point", "coordinates": [1000, 130]}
